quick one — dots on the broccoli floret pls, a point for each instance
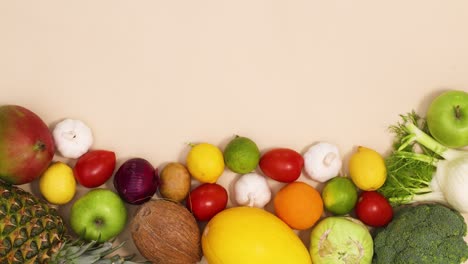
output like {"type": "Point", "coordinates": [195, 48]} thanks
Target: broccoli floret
{"type": "Point", "coordinates": [425, 233]}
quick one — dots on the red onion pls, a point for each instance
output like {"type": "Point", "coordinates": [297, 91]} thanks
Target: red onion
{"type": "Point", "coordinates": [136, 181]}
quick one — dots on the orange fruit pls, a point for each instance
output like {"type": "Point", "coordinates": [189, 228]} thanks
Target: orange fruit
{"type": "Point", "coordinates": [299, 205]}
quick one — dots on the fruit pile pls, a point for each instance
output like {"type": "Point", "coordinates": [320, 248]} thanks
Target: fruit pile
{"type": "Point", "coordinates": [183, 213]}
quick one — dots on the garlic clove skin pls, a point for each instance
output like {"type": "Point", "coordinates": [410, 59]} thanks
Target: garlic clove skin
{"type": "Point", "coordinates": [322, 161]}
{"type": "Point", "coordinates": [72, 138]}
{"type": "Point", "coordinates": [252, 190]}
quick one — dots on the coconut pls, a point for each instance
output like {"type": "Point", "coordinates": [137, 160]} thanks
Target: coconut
{"type": "Point", "coordinates": [166, 232]}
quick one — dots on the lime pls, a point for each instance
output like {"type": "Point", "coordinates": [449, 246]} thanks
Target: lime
{"type": "Point", "coordinates": [339, 195]}
{"type": "Point", "coordinates": [205, 162]}
{"type": "Point", "coordinates": [57, 184]}
{"type": "Point", "coordinates": [367, 169]}
{"type": "Point", "coordinates": [241, 155]}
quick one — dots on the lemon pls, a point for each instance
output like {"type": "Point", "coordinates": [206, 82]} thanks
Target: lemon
{"type": "Point", "coordinates": [205, 162]}
{"type": "Point", "coordinates": [367, 169]}
{"type": "Point", "coordinates": [57, 184]}
{"type": "Point", "coordinates": [339, 195]}
{"type": "Point", "coordinates": [241, 155]}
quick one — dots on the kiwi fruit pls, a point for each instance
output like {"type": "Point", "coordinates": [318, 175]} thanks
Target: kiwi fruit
{"type": "Point", "coordinates": [175, 182]}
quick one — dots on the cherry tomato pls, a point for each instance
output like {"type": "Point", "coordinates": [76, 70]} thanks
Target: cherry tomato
{"type": "Point", "coordinates": [206, 200]}
{"type": "Point", "coordinates": [282, 164]}
{"type": "Point", "coordinates": [373, 209]}
{"type": "Point", "coordinates": [94, 168]}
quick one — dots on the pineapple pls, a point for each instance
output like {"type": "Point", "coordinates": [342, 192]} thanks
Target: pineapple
{"type": "Point", "coordinates": [32, 232]}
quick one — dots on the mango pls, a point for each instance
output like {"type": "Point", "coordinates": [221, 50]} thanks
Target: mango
{"type": "Point", "coordinates": [26, 145]}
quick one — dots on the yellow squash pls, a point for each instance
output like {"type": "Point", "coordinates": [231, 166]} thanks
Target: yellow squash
{"type": "Point", "coordinates": [251, 235]}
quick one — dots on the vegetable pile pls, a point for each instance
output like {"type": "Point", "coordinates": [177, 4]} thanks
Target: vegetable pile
{"type": "Point", "coordinates": [405, 207]}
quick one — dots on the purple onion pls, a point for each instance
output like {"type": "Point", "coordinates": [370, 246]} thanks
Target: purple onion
{"type": "Point", "coordinates": [136, 181]}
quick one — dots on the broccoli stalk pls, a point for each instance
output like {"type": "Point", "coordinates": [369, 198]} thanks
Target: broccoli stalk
{"type": "Point", "coordinates": [416, 168]}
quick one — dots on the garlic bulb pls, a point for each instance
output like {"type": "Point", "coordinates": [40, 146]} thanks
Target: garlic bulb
{"type": "Point", "coordinates": [73, 138]}
{"type": "Point", "coordinates": [252, 190]}
{"type": "Point", "coordinates": [322, 161]}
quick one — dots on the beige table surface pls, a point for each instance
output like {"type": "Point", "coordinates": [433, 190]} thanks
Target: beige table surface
{"type": "Point", "coordinates": [149, 76]}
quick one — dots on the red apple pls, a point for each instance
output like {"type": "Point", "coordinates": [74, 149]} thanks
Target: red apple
{"type": "Point", "coordinates": [26, 145]}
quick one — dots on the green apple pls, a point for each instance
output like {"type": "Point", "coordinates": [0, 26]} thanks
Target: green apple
{"type": "Point", "coordinates": [447, 118]}
{"type": "Point", "coordinates": [99, 215]}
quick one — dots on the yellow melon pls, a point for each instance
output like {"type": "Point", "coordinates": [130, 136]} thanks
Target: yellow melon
{"type": "Point", "coordinates": [251, 235]}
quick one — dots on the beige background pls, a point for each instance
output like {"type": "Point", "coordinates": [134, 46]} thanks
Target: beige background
{"type": "Point", "coordinates": [150, 76]}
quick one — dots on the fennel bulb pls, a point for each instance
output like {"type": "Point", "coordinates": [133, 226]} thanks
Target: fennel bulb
{"type": "Point", "coordinates": [420, 169]}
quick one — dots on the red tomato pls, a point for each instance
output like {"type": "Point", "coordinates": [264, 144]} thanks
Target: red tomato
{"type": "Point", "coordinates": [373, 209]}
{"type": "Point", "coordinates": [282, 164]}
{"type": "Point", "coordinates": [94, 168]}
{"type": "Point", "coordinates": [206, 200]}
